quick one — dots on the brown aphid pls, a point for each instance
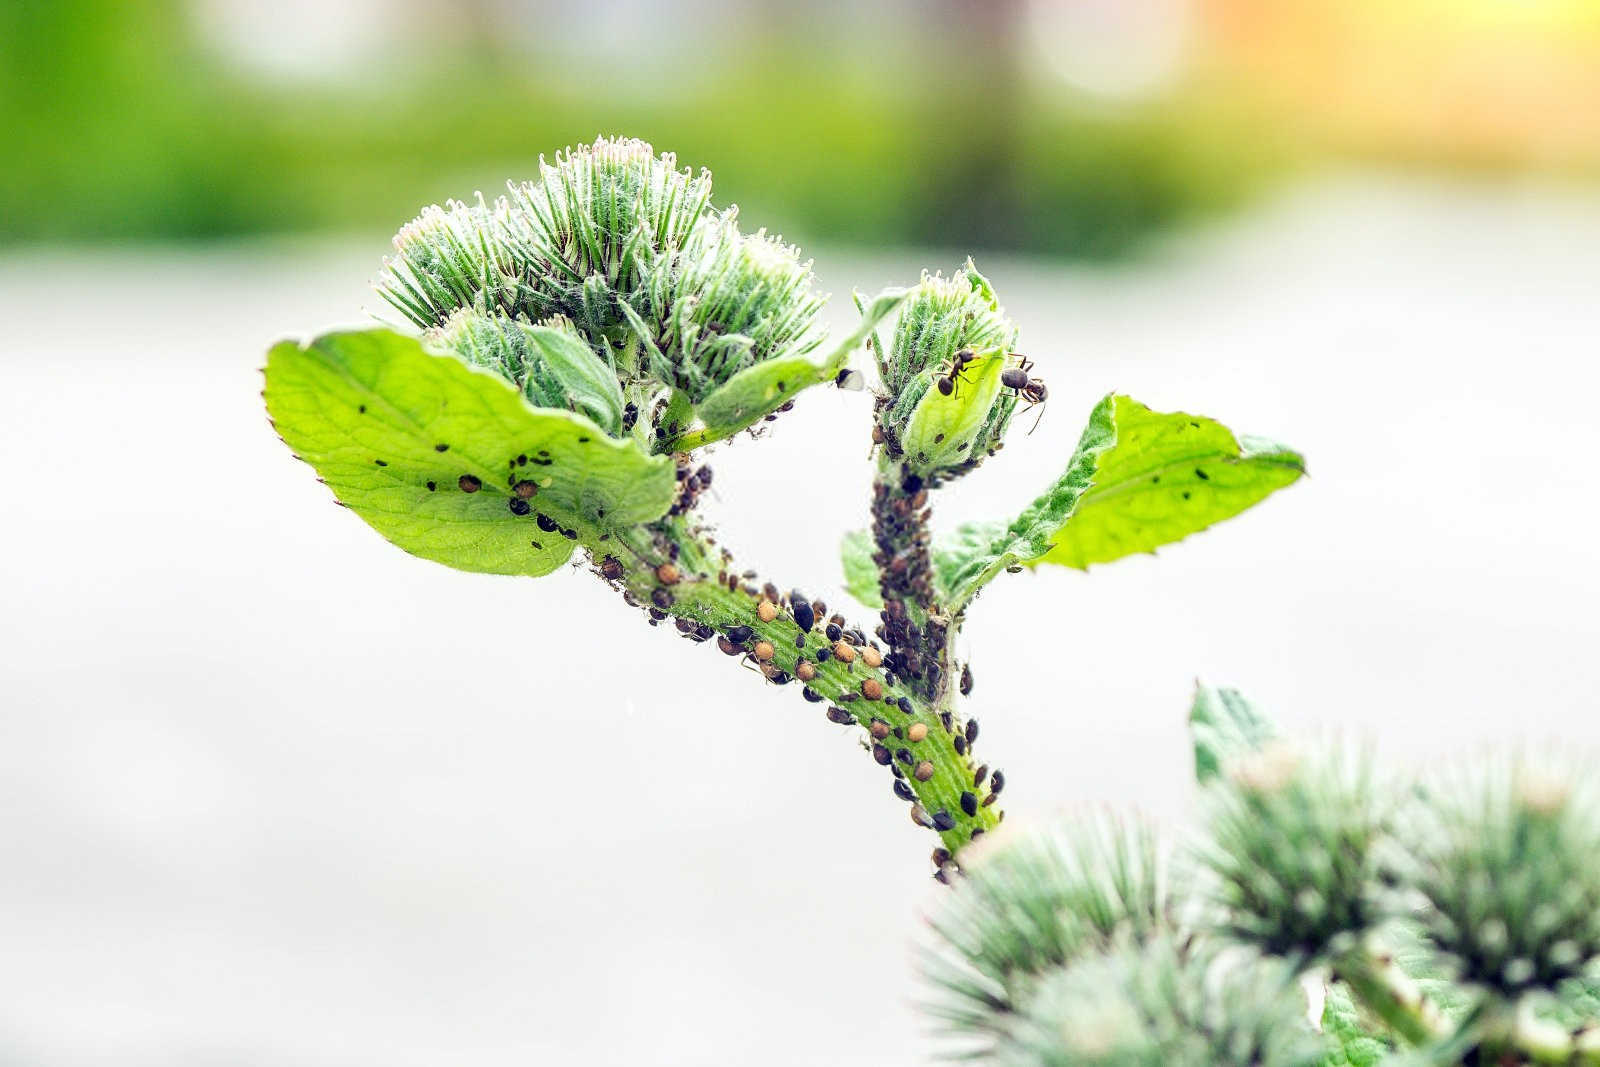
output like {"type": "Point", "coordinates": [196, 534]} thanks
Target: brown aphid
{"type": "Point", "coordinates": [469, 483]}
{"type": "Point", "coordinates": [525, 489]}
{"type": "Point", "coordinates": [728, 647]}
{"type": "Point", "coordinates": [844, 652]}
{"type": "Point", "coordinates": [840, 716]}
{"type": "Point", "coordinates": [879, 729]}
{"type": "Point", "coordinates": [920, 817]}
{"type": "Point", "coordinates": [667, 574]}
{"type": "Point", "coordinates": [924, 771]}
{"type": "Point", "coordinates": [882, 755]}
{"type": "Point", "coordinates": [990, 799]}
{"type": "Point", "coordinates": [941, 856]}
{"type": "Point", "coordinates": [917, 732]}
{"type": "Point", "coordinates": [872, 689]}
{"type": "Point", "coordinates": [805, 671]}
{"type": "Point", "coordinates": [763, 650]}
{"type": "Point", "coordinates": [611, 568]}
{"type": "Point", "coordinates": [871, 656]}
{"type": "Point", "coordinates": [766, 611]}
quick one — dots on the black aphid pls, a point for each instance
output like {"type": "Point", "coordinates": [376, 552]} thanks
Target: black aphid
{"type": "Point", "coordinates": [969, 803]}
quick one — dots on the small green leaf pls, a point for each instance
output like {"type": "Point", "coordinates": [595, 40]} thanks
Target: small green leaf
{"type": "Point", "coordinates": [581, 376]}
{"type": "Point", "coordinates": [860, 572]}
{"type": "Point", "coordinates": [427, 450]}
{"type": "Point", "coordinates": [954, 549]}
{"type": "Point", "coordinates": [942, 428]}
{"type": "Point", "coordinates": [1224, 726]}
{"type": "Point", "coordinates": [1139, 479]}
{"type": "Point", "coordinates": [759, 390]}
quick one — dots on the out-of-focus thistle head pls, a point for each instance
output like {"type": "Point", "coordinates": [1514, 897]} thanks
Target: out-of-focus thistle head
{"type": "Point", "coordinates": [944, 405]}
{"type": "Point", "coordinates": [727, 301]}
{"type": "Point", "coordinates": [1031, 902]}
{"type": "Point", "coordinates": [1295, 849]}
{"type": "Point", "coordinates": [1160, 1004]}
{"type": "Point", "coordinates": [1507, 866]}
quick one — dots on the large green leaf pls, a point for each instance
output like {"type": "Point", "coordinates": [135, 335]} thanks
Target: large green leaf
{"type": "Point", "coordinates": [436, 455]}
{"type": "Point", "coordinates": [1140, 479]}
{"type": "Point", "coordinates": [1168, 475]}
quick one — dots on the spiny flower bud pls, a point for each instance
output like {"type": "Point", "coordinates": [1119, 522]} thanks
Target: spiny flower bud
{"type": "Point", "coordinates": [1294, 850]}
{"type": "Point", "coordinates": [946, 407]}
{"type": "Point", "coordinates": [729, 301]}
{"type": "Point", "coordinates": [1037, 900]}
{"type": "Point", "coordinates": [550, 362]}
{"type": "Point", "coordinates": [455, 257]}
{"type": "Point", "coordinates": [607, 210]}
{"type": "Point", "coordinates": [578, 240]}
{"type": "Point", "coordinates": [1161, 1005]}
{"type": "Point", "coordinates": [1507, 866]}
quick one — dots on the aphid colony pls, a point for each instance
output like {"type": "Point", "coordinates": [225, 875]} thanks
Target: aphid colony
{"type": "Point", "coordinates": [823, 650]}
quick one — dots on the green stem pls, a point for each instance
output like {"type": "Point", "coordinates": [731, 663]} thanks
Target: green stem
{"type": "Point", "coordinates": [711, 601]}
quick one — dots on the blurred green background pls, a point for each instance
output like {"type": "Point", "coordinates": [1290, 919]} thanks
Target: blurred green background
{"type": "Point", "coordinates": [1067, 127]}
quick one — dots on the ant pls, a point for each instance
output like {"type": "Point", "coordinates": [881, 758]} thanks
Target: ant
{"type": "Point", "coordinates": [958, 363]}
{"type": "Point", "coordinates": [1031, 390]}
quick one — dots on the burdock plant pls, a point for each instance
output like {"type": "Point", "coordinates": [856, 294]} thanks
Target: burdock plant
{"type": "Point", "coordinates": [575, 348]}
{"type": "Point", "coordinates": [1311, 916]}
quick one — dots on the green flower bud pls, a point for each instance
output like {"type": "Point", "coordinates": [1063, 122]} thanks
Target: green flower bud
{"type": "Point", "coordinates": [454, 257]}
{"type": "Point", "coordinates": [1294, 849]}
{"type": "Point", "coordinates": [1507, 867]}
{"type": "Point", "coordinates": [578, 240]}
{"type": "Point", "coordinates": [608, 210]}
{"type": "Point", "coordinates": [550, 362]}
{"type": "Point", "coordinates": [1161, 1005]}
{"type": "Point", "coordinates": [1033, 901]}
{"type": "Point", "coordinates": [946, 408]}
{"type": "Point", "coordinates": [727, 302]}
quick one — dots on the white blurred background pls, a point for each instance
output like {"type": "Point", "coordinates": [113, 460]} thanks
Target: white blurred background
{"type": "Point", "coordinates": [274, 794]}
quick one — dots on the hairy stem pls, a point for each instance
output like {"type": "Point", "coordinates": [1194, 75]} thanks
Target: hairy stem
{"type": "Point", "coordinates": [673, 569]}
